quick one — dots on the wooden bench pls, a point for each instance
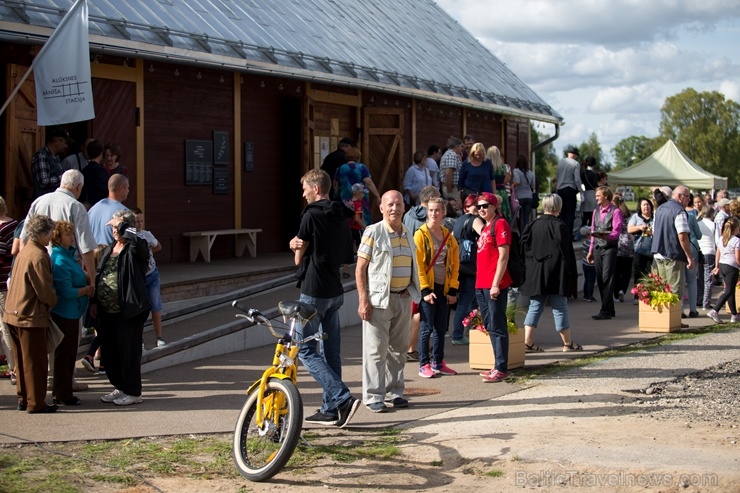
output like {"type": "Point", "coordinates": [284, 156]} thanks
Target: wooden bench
{"type": "Point", "coordinates": [202, 241]}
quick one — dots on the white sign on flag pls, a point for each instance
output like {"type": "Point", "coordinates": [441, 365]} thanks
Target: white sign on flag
{"type": "Point", "coordinates": [62, 72]}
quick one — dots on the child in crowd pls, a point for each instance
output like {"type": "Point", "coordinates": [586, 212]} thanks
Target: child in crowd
{"type": "Point", "coordinates": [356, 222]}
{"type": "Point", "coordinates": [589, 270]}
{"type": "Point", "coordinates": [727, 262]}
{"type": "Point", "coordinates": [439, 262]}
{"type": "Point", "coordinates": [152, 276]}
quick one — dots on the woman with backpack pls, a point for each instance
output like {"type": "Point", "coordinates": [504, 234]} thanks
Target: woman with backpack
{"type": "Point", "coordinates": [467, 239]}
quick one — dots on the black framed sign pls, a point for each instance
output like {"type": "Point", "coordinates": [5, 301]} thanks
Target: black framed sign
{"type": "Point", "coordinates": [198, 162]}
{"type": "Point", "coordinates": [220, 180]}
{"type": "Point", "coordinates": [221, 149]}
{"type": "Point", "coordinates": [249, 156]}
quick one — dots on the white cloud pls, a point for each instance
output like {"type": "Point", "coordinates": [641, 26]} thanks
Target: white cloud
{"type": "Point", "coordinates": [731, 90]}
{"type": "Point", "coordinates": [627, 99]}
{"type": "Point", "coordinates": [588, 21]}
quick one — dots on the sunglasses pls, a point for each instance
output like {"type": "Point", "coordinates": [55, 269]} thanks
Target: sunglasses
{"type": "Point", "coordinates": [483, 206]}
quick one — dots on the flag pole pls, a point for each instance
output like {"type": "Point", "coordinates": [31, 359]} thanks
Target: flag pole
{"type": "Point", "coordinates": [43, 48]}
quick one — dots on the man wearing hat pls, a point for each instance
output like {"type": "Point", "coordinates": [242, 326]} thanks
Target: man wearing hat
{"type": "Point", "coordinates": [335, 159]}
{"type": "Point", "coordinates": [46, 167]}
{"type": "Point", "coordinates": [568, 182]}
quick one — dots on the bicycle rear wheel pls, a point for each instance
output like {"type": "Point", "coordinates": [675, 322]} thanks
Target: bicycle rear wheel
{"type": "Point", "coordinates": [261, 450]}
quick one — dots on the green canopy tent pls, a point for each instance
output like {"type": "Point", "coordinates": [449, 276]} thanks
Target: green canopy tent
{"type": "Point", "coordinates": [668, 166]}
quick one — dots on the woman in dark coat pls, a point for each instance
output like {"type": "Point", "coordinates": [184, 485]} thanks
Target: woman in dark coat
{"type": "Point", "coordinates": [551, 268]}
{"type": "Point", "coordinates": [122, 303]}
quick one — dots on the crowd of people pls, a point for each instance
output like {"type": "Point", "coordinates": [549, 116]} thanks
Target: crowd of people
{"type": "Point", "coordinates": [79, 255]}
{"type": "Point", "coordinates": [74, 260]}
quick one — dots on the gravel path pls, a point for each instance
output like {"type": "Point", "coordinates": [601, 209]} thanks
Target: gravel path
{"type": "Point", "coordinates": [711, 395]}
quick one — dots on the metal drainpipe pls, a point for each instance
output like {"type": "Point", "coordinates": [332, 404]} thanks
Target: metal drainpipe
{"type": "Point", "coordinates": [543, 144]}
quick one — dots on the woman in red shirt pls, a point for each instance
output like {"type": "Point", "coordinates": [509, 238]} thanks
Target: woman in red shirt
{"type": "Point", "coordinates": [492, 281]}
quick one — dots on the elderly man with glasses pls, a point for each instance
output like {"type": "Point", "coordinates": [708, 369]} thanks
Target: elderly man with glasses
{"type": "Point", "coordinates": [671, 247]}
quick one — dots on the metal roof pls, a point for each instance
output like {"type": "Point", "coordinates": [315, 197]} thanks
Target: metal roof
{"type": "Point", "coordinates": [407, 47]}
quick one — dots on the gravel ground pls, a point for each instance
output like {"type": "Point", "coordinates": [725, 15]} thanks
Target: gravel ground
{"type": "Point", "coordinates": [710, 396]}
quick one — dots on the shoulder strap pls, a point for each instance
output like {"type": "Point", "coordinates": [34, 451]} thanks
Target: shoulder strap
{"type": "Point", "coordinates": [439, 250]}
{"type": "Point", "coordinates": [465, 227]}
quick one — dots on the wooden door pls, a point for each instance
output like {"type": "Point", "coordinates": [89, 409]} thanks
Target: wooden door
{"type": "Point", "coordinates": [24, 137]}
{"type": "Point", "coordinates": [115, 122]}
{"type": "Point", "coordinates": [382, 148]}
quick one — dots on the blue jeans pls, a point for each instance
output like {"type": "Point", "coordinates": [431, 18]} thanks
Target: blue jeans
{"type": "Point", "coordinates": [493, 313]}
{"type": "Point", "coordinates": [326, 369]}
{"type": "Point", "coordinates": [465, 300]}
{"type": "Point", "coordinates": [433, 323]}
{"type": "Point", "coordinates": [589, 281]}
{"type": "Point", "coordinates": [559, 311]}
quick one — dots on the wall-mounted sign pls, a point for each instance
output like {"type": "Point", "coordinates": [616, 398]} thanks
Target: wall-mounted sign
{"type": "Point", "coordinates": [220, 180]}
{"type": "Point", "coordinates": [198, 162]}
{"type": "Point", "coordinates": [249, 156]}
{"type": "Point", "coordinates": [221, 149]}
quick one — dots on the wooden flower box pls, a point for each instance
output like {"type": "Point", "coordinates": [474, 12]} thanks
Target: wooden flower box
{"type": "Point", "coordinates": [481, 351]}
{"type": "Point", "coordinates": [661, 319]}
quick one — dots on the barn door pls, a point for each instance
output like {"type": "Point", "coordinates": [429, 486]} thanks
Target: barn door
{"type": "Point", "coordinates": [24, 138]}
{"type": "Point", "coordinates": [382, 148]}
{"type": "Point", "coordinates": [309, 128]}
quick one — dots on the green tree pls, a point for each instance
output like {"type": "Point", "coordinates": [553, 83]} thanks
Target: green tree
{"type": "Point", "coordinates": [545, 161]}
{"type": "Point", "coordinates": [706, 127]}
{"type": "Point", "coordinates": [592, 147]}
{"type": "Point", "coordinates": [633, 149]}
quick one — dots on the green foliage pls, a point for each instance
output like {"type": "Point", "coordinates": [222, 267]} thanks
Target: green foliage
{"type": "Point", "coordinates": [546, 161]}
{"type": "Point", "coordinates": [592, 147]}
{"type": "Point", "coordinates": [634, 149]}
{"type": "Point", "coordinates": [706, 127]}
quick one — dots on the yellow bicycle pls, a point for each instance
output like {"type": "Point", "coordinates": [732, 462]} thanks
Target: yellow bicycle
{"type": "Point", "coordinates": [269, 425]}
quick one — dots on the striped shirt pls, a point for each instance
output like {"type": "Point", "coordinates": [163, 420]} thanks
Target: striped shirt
{"type": "Point", "coordinates": [401, 250]}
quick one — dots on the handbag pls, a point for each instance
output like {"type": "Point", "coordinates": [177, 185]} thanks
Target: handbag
{"type": "Point", "coordinates": [535, 195]}
{"type": "Point", "coordinates": [54, 337]}
{"type": "Point", "coordinates": [643, 245]}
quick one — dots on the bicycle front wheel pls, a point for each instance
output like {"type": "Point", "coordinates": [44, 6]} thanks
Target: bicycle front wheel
{"type": "Point", "coordinates": [261, 450]}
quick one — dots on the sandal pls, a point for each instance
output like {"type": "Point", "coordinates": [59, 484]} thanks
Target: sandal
{"type": "Point", "coordinates": [572, 347]}
{"type": "Point", "coordinates": [533, 348]}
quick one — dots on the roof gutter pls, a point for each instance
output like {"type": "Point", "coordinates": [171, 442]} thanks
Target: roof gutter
{"type": "Point", "coordinates": [544, 143]}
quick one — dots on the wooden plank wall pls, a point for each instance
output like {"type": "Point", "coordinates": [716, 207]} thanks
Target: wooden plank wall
{"type": "Point", "coordinates": [178, 108]}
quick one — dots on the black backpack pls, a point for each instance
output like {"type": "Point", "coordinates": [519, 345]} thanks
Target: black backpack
{"type": "Point", "coordinates": [515, 265]}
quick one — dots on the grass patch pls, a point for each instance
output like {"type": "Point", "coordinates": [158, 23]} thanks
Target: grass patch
{"type": "Point", "coordinates": [526, 374]}
{"type": "Point", "coordinates": [494, 473]}
{"type": "Point", "coordinates": [379, 445]}
{"type": "Point", "coordinates": [436, 463]}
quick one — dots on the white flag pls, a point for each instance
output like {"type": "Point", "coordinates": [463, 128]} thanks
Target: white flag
{"type": "Point", "coordinates": [62, 72]}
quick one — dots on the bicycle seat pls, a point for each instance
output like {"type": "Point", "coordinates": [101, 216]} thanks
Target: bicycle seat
{"type": "Point", "coordinates": [292, 308]}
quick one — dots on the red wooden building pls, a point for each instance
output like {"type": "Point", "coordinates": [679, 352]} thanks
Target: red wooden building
{"type": "Point", "coordinates": [279, 82]}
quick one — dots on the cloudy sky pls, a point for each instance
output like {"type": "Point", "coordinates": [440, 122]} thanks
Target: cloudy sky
{"type": "Point", "coordinates": [608, 66]}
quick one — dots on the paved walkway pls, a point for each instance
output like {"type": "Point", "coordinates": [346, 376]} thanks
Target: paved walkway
{"type": "Point", "coordinates": [205, 396]}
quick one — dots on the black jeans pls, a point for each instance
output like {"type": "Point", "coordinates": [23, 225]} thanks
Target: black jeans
{"type": "Point", "coordinates": [120, 343]}
{"type": "Point", "coordinates": [605, 261]}
{"type": "Point", "coordinates": [568, 212]}
{"type": "Point", "coordinates": [728, 295]}
{"type": "Point", "coordinates": [623, 274]}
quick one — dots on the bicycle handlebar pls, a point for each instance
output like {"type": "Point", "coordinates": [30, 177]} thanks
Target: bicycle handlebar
{"type": "Point", "coordinates": [255, 316]}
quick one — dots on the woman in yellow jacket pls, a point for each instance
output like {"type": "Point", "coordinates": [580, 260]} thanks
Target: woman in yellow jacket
{"type": "Point", "coordinates": [438, 259]}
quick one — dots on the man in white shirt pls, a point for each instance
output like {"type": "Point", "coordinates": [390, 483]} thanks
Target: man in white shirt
{"type": "Point", "coordinates": [77, 161]}
{"type": "Point", "coordinates": [434, 154]}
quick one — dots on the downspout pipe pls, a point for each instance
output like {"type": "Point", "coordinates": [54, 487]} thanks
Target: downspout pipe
{"type": "Point", "coordinates": [543, 144]}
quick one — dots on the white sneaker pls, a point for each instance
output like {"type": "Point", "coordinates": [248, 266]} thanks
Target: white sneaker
{"type": "Point", "coordinates": [127, 400]}
{"type": "Point", "coordinates": [621, 296]}
{"type": "Point", "coordinates": [735, 318]}
{"type": "Point", "coordinates": [160, 342]}
{"type": "Point", "coordinates": [112, 396]}
{"type": "Point", "coordinates": [714, 316]}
